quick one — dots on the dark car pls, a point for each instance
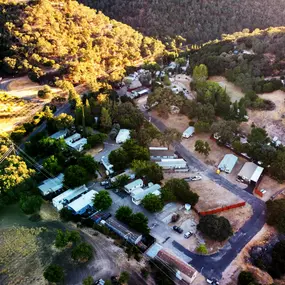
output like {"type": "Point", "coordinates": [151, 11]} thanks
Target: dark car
{"type": "Point", "coordinates": [178, 229]}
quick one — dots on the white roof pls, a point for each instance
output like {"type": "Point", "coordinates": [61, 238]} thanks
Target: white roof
{"type": "Point", "coordinates": [158, 148]}
{"type": "Point", "coordinates": [251, 171]}
{"type": "Point", "coordinates": [51, 185]}
{"type": "Point", "coordinates": [78, 144]}
{"type": "Point", "coordinates": [67, 196]}
{"type": "Point", "coordinates": [172, 163]}
{"type": "Point", "coordinates": [59, 134]}
{"type": "Point", "coordinates": [135, 184]}
{"type": "Point", "coordinates": [257, 173]}
{"type": "Point", "coordinates": [228, 162]}
{"type": "Point", "coordinates": [107, 164]}
{"type": "Point", "coordinates": [75, 136]}
{"type": "Point", "coordinates": [189, 131]}
{"type": "Point", "coordinates": [123, 135]}
{"type": "Point", "coordinates": [83, 201]}
{"type": "Point", "coordinates": [154, 189]}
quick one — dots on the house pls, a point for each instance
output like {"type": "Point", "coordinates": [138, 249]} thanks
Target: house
{"type": "Point", "coordinates": [250, 173]}
{"type": "Point", "coordinates": [73, 138]}
{"type": "Point", "coordinates": [162, 154]}
{"type": "Point", "coordinates": [120, 229]}
{"type": "Point", "coordinates": [134, 85]}
{"type": "Point", "coordinates": [78, 145]}
{"type": "Point", "coordinates": [176, 163]}
{"type": "Point", "coordinates": [128, 173]}
{"type": "Point", "coordinates": [133, 185]}
{"type": "Point", "coordinates": [139, 92]}
{"type": "Point", "coordinates": [123, 136]}
{"type": "Point", "coordinates": [184, 272]}
{"type": "Point", "coordinates": [188, 132]}
{"type": "Point", "coordinates": [228, 163]}
{"type": "Point", "coordinates": [158, 148]}
{"type": "Point", "coordinates": [108, 166]}
{"type": "Point", "coordinates": [139, 194]}
{"type": "Point", "coordinates": [68, 196]}
{"type": "Point", "coordinates": [51, 185]}
{"type": "Point", "coordinates": [81, 204]}
{"type": "Point", "coordinates": [59, 135]}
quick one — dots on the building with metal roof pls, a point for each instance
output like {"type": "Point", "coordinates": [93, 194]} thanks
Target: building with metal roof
{"type": "Point", "coordinates": [188, 132]}
{"type": "Point", "coordinates": [123, 136]}
{"type": "Point", "coordinates": [228, 163]}
{"type": "Point", "coordinates": [133, 185]}
{"type": "Point", "coordinates": [78, 145]}
{"type": "Point", "coordinates": [73, 138]}
{"type": "Point", "coordinates": [139, 194]}
{"type": "Point", "coordinates": [108, 166]}
{"type": "Point", "coordinates": [68, 196]}
{"type": "Point", "coordinates": [175, 163]}
{"type": "Point", "coordinates": [59, 135]}
{"type": "Point", "coordinates": [122, 230]}
{"type": "Point", "coordinates": [162, 154]}
{"type": "Point", "coordinates": [250, 172]}
{"type": "Point", "coordinates": [81, 204]}
{"type": "Point", "coordinates": [51, 185]}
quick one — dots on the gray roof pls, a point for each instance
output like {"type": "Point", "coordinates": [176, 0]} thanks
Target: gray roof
{"type": "Point", "coordinates": [134, 184]}
{"type": "Point", "coordinates": [228, 162]}
{"type": "Point", "coordinates": [172, 163]}
{"type": "Point", "coordinates": [59, 134]}
{"type": "Point", "coordinates": [161, 153]}
{"type": "Point", "coordinates": [140, 195]}
{"type": "Point", "coordinates": [251, 171]}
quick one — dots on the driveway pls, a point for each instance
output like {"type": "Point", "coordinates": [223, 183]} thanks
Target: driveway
{"type": "Point", "coordinates": [108, 147]}
{"type": "Point", "coordinates": [214, 265]}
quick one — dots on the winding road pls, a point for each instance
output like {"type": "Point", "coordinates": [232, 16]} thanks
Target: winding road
{"type": "Point", "coordinates": [212, 266]}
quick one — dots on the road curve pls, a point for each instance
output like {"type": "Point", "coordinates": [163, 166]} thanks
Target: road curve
{"type": "Point", "coordinates": [212, 266]}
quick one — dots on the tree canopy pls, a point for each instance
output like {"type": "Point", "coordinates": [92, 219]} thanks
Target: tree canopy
{"type": "Point", "coordinates": [83, 252]}
{"type": "Point", "coordinates": [152, 203]}
{"type": "Point", "coordinates": [54, 273]}
{"type": "Point", "coordinates": [102, 200]}
{"type": "Point", "coordinates": [214, 227]}
{"type": "Point", "coordinates": [276, 214]}
{"type": "Point", "coordinates": [75, 176]}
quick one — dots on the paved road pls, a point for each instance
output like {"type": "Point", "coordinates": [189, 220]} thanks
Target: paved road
{"type": "Point", "coordinates": [215, 264]}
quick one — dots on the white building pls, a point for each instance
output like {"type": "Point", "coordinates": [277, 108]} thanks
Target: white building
{"type": "Point", "coordinates": [158, 148]}
{"type": "Point", "coordinates": [81, 204]}
{"type": "Point", "coordinates": [138, 195]}
{"type": "Point", "coordinates": [176, 163]}
{"type": "Point", "coordinates": [123, 135]}
{"type": "Point", "coordinates": [51, 185]}
{"type": "Point", "coordinates": [78, 145]}
{"type": "Point", "coordinates": [108, 166]}
{"type": "Point", "coordinates": [228, 163]}
{"type": "Point", "coordinates": [162, 154]}
{"type": "Point", "coordinates": [73, 138]}
{"type": "Point", "coordinates": [128, 173]}
{"type": "Point", "coordinates": [250, 172]}
{"type": "Point", "coordinates": [189, 132]}
{"type": "Point", "coordinates": [59, 135]}
{"type": "Point", "coordinates": [66, 197]}
{"type": "Point", "coordinates": [133, 185]}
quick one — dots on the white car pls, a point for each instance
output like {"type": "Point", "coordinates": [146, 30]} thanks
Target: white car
{"type": "Point", "coordinates": [188, 234]}
{"type": "Point", "coordinates": [213, 282]}
{"type": "Point", "coordinates": [195, 178]}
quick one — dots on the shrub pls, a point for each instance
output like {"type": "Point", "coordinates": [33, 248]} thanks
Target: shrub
{"type": "Point", "coordinates": [82, 252]}
{"type": "Point", "coordinates": [245, 278]}
{"type": "Point", "coordinates": [202, 249]}
{"type": "Point", "coordinates": [30, 204]}
{"type": "Point", "coordinates": [54, 273]}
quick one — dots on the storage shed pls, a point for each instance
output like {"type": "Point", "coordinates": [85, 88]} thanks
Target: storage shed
{"type": "Point", "coordinates": [189, 132]}
{"type": "Point", "coordinates": [250, 172]}
{"type": "Point", "coordinates": [228, 163]}
{"type": "Point", "coordinates": [51, 185]}
{"type": "Point", "coordinates": [123, 135]}
{"type": "Point", "coordinates": [176, 163]}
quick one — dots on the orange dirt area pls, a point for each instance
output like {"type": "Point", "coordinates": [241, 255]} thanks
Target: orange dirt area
{"type": "Point", "coordinates": [272, 121]}
{"type": "Point", "coordinates": [175, 121]}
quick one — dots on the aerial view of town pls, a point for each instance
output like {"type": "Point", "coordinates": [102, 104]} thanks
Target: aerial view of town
{"type": "Point", "coordinates": [142, 142]}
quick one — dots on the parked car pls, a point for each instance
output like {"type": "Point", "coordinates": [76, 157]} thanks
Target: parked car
{"type": "Point", "coordinates": [188, 234]}
{"type": "Point", "coordinates": [195, 178]}
{"type": "Point", "coordinates": [213, 281]}
{"type": "Point", "coordinates": [178, 229]}
{"type": "Point", "coordinates": [104, 183]}
{"type": "Point", "coordinates": [263, 191]}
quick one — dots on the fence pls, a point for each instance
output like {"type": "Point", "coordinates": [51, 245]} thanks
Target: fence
{"type": "Point", "coordinates": [222, 209]}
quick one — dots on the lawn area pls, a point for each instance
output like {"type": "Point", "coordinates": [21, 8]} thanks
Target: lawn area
{"type": "Point", "coordinates": [233, 91]}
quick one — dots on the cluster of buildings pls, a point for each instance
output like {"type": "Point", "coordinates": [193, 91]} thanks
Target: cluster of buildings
{"type": "Point", "coordinates": [74, 141]}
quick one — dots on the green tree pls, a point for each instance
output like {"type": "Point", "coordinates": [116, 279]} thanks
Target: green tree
{"type": "Point", "coordinates": [202, 147]}
{"type": "Point", "coordinates": [124, 214]}
{"type": "Point", "coordinates": [96, 139]}
{"type": "Point", "coordinates": [83, 252]}
{"type": "Point", "coordinates": [202, 249]}
{"type": "Point", "coordinates": [88, 281]}
{"type": "Point", "coordinates": [277, 268]}
{"type": "Point", "coordinates": [151, 170]}
{"type": "Point", "coordinates": [181, 190]}
{"type": "Point", "coordinates": [88, 163]}
{"type": "Point", "coordinates": [275, 215]}
{"type": "Point", "coordinates": [227, 130]}
{"type": "Point", "coordinates": [64, 237]}
{"type": "Point", "coordinates": [75, 176]}
{"type": "Point", "coordinates": [51, 164]}
{"type": "Point", "coordinates": [102, 200]}
{"type": "Point", "coordinates": [89, 119]}
{"type": "Point", "coordinates": [124, 277]}
{"type": "Point", "coordinates": [258, 135]}
{"type": "Point", "coordinates": [63, 121]}
{"type": "Point", "coordinates": [245, 278]}
{"type": "Point", "coordinates": [277, 167]}
{"type": "Point", "coordinates": [214, 227]}
{"type": "Point", "coordinates": [152, 203]}
{"type": "Point", "coordinates": [202, 127]}
{"type": "Point", "coordinates": [119, 159]}
{"type": "Point", "coordinates": [166, 80]}
{"type": "Point", "coordinates": [105, 119]}
{"type": "Point", "coordinates": [30, 204]}
{"type": "Point", "coordinates": [139, 222]}
{"type": "Point", "coordinates": [200, 73]}
{"type": "Point", "coordinates": [45, 93]}
{"type": "Point", "coordinates": [171, 135]}
{"type": "Point", "coordinates": [54, 273]}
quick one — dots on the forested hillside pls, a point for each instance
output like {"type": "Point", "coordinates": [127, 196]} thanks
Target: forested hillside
{"type": "Point", "coordinates": [196, 20]}
{"type": "Point", "coordinates": [83, 45]}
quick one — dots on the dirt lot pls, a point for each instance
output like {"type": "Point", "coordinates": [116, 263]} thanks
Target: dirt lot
{"type": "Point", "coordinates": [271, 120]}
{"type": "Point", "coordinates": [240, 262]}
{"type": "Point", "coordinates": [233, 91]}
